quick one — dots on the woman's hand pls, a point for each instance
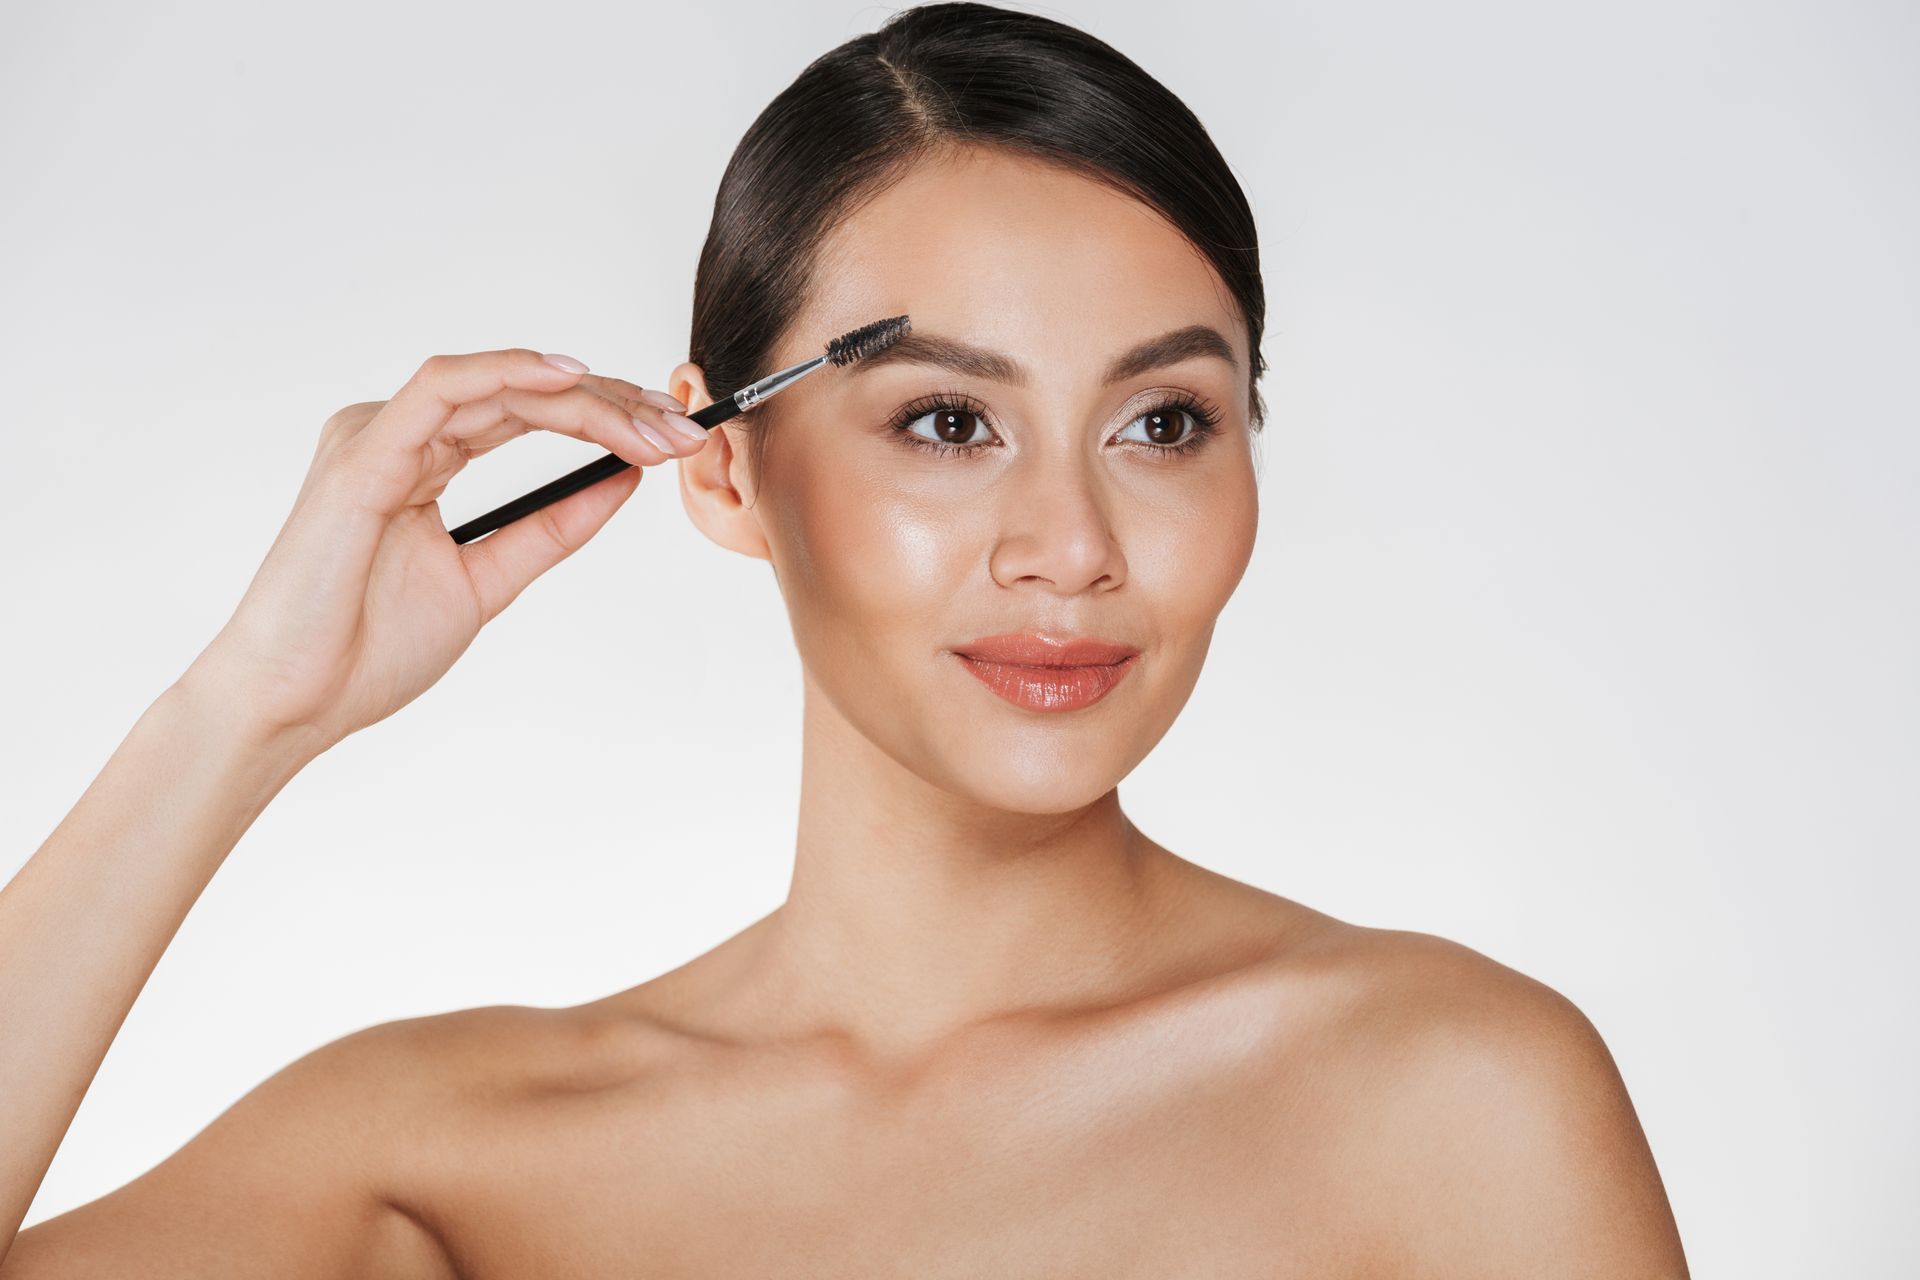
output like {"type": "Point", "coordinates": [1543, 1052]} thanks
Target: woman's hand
{"type": "Point", "coordinates": [363, 601]}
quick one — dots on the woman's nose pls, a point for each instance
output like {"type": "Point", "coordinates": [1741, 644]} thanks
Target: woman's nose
{"type": "Point", "coordinates": [1054, 529]}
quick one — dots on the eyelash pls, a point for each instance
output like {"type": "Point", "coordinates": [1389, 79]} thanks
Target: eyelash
{"type": "Point", "coordinates": [1206, 422]}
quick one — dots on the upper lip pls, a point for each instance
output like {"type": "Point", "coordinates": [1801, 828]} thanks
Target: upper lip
{"type": "Point", "coordinates": [1035, 649]}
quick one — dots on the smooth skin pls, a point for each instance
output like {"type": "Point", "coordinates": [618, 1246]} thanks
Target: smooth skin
{"type": "Point", "coordinates": [995, 1029]}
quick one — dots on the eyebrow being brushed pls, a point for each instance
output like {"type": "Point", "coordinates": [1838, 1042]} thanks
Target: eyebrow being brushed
{"type": "Point", "coordinates": [960, 357]}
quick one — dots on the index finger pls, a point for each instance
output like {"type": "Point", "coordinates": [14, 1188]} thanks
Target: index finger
{"type": "Point", "coordinates": [443, 383]}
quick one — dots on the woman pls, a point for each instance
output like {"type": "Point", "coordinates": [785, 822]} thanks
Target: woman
{"type": "Point", "coordinates": [995, 1029]}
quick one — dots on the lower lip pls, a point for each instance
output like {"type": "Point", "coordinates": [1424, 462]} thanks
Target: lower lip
{"type": "Point", "coordinates": [1048, 688]}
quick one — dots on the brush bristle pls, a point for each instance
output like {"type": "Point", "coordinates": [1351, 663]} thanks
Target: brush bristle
{"type": "Point", "coordinates": [867, 340]}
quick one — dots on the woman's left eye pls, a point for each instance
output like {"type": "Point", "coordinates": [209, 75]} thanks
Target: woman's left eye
{"type": "Point", "coordinates": [1166, 427]}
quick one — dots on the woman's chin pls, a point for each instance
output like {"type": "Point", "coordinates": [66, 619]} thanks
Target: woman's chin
{"type": "Point", "coordinates": [1060, 775]}
{"type": "Point", "coordinates": [1040, 796]}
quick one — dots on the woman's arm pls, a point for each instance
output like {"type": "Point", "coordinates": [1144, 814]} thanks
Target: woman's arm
{"type": "Point", "coordinates": [84, 922]}
{"type": "Point", "coordinates": [1500, 1136]}
{"type": "Point", "coordinates": [1540, 1166]}
{"type": "Point", "coordinates": [362, 602]}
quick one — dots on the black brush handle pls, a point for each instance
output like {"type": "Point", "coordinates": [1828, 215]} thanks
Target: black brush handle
{"type": "Point", "coordinates": [552, 491]}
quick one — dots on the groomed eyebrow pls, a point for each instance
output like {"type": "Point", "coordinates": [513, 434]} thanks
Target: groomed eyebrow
{"type": "Point", "coordinates": [950, 353]}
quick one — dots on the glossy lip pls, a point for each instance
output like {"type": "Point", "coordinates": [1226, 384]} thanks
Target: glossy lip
{"type": "Point", "coordinates": [1048, 673]}
{"type": "Point", "coordinates": [1038, 649]}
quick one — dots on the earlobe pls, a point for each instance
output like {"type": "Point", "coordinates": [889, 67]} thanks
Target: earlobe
{"type": "Point", "coordinates": [711, 480]}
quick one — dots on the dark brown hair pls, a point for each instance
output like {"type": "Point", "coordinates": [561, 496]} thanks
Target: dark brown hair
{"type": "Point", "coordinates": [934, 77]}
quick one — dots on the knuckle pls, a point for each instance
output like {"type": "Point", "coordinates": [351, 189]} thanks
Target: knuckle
{"type": "Point", "coordinates": [350, 418]}
{"type": "Point", "coordinates": [618, 417]}
{"type": "Point", "coordinates": [577, 408]}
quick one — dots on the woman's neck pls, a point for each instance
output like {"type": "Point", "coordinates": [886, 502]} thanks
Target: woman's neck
{"type": "Point", "coordinates": [913, 913]}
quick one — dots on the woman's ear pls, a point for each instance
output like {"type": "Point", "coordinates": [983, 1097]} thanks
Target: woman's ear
{"type": "Point", "coordinates": [714, 486]}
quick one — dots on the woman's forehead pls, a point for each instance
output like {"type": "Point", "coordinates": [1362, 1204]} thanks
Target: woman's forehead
{"type": "Point", "coordinates": [1014, 251]}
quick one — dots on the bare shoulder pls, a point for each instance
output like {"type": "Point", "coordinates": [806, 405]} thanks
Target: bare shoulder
{"type": "Point", "coordinates": [306, 1174]}
{"type": "Point", "coordinates": [1487, 1113]}
{"type": "Point", "coordinates": [441, 1072]}
{"type": "Point", "coordinates": [1420, 989]}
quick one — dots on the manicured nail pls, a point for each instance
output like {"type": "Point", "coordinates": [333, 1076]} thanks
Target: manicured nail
{"type": "Point", "coordinates": [564, 362]}
{"type": "Point", "coordinates": [661, 400]}
{"type": "Point", "coordinates": [686, 426]}
{"type": "Point", "coordinates": [658, 438]}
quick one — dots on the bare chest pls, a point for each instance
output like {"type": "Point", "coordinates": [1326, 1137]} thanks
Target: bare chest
{"type": "Point", "coordinates": [1071, 1169]}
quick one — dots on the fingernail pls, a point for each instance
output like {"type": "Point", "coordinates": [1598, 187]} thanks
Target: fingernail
{"type": "Point", "coordinates": [660, 442]}
{"type": "Point", "coordinates": [564, 362]}
{"type": "Point", "coordinates": [686, 426]}
{"type": "Point", "coordinates": [661, 400]}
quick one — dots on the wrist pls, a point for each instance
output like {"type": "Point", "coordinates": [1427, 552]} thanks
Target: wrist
{"type": "Point", "coordinates": [221, 724]}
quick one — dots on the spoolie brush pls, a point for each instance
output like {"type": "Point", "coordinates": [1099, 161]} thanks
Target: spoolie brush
{"type": "Point", "coordinates": [867, 340]}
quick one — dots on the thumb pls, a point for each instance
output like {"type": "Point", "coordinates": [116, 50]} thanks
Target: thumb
{"type": "Point", "coordinates": [501, 564]}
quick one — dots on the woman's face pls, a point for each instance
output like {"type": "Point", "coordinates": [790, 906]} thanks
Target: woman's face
{"type": "Point", "coordinates": [909, 508]}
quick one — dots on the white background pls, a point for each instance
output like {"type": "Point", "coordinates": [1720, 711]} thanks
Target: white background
{"type": "Point", "coordinates": [1581, 628]}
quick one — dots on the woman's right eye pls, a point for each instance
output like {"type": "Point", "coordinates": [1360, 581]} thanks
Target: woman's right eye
{"type": "Point", "coordinates": [949, 426]}
{"type": "Point", "coordinates": [950, 429]}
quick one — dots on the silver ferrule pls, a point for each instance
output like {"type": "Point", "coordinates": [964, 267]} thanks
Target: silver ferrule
{"type": "Point", "coordinates": [754, 392]}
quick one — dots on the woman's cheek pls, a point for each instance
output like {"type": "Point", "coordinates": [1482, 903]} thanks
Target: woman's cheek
{"type": "Point", "coordinates": [876, 557]}
{"type": "Point", "coordinates": [1202, 518]}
